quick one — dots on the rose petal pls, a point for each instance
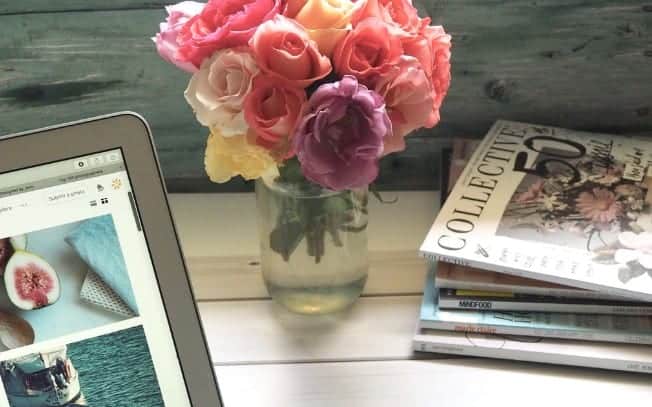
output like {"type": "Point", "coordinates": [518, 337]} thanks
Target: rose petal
{"type": "Point", "coordinates": [328, 38]}
{"type": "Point", "coordinates": [326, 14]}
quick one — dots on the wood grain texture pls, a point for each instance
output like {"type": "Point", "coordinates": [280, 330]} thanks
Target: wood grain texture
{"type": "Point", "coordinates": [13, 7]}
{"type": "Point", "coordinates": [573, 63]}
{"type": "Point", "coordinates": [220, 278]}
{"type": "Point", "coordinates": [378, 328]}
{"type": "Point", "coordinates": [441, 383]}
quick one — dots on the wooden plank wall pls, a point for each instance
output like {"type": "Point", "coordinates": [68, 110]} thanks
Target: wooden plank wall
{"type": "Point", "coordinates": [584, 64]}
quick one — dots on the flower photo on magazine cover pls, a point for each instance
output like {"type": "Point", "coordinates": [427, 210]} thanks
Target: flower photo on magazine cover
{"type": "Point", "coordinates": [598, 205]}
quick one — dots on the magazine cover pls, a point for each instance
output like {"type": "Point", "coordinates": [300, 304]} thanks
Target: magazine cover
{"type": "Point", "coordinates": [557, 205]}
{"type": "Point", "coordinates": [608, 328]}
{"type": "Point", "coordinates": [500, 301]}
{"type": "Point", "coordinates": [569, 352]}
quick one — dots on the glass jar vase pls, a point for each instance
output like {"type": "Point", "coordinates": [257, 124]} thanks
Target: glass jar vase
{"type": "Point", "coordinates": [313, 242]}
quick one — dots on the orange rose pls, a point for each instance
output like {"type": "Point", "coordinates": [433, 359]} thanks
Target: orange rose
{"type": "Point", "coordinates": [284, 50]}
{"type": "Point", "coordinates": [400, 14]}
{"type": "Point", "coordinates": [368, 52]}
{"type": "Point", "coordinates": [327, 21]}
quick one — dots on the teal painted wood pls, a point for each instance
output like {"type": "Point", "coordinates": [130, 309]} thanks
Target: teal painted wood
{"type": "Point", "coordinates": [579, 64]}
{"type": "Point", "coordinates": [47, 6]}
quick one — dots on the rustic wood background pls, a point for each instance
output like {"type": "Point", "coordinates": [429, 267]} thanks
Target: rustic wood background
{"type": "Point", "coordinates": [583, 64]}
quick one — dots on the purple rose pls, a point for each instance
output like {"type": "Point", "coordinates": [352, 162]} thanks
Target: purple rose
{"type": "Point", "coordinates": [339, 139]}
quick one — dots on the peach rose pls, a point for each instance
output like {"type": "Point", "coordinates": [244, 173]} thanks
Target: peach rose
{"type": "Point", "coordinates": [432, 47]}
{"type": "Point", "coordinates": [228, 157]}
{"type": "Point", "coordinates": [216, 93]}
{"type": "Point", "coordinates": [368, 51]}
{"type": "Point", "coordinates": [440, 51]}
{"type": "Point", "coordinates": [400, 14]}
{"type": "Point", "coordinates": [284, 50]}
{"type": "Point", "coordinates": [409, 99]}
{"type": "Point", "coordinates": [418, 46]}
{"type": "Point", "coordinates": [272, 109]}
{"type": "Point", "coordinates": [327, 21]}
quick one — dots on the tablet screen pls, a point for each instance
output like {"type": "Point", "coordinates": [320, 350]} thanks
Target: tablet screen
{"type": "Point", "coordinates": [82, 322]}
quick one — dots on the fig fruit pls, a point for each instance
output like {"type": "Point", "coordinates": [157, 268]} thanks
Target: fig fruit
{"type": "Point", "coordinates": [19, 242]}
{"type": "Point", "coordinates": [6, 251]}
{"type": "Point", "coordinates": [7, 248]}
{"type": "Point", "coordinates": [31, 282]}
{"type": "Point", "coordinates": [15, 332]}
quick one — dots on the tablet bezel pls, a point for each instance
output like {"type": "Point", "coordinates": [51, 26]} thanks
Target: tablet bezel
{"type": "Point", "coordinates": [130, 132]}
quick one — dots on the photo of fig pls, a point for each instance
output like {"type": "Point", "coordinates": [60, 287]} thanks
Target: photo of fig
{"type": "Point", "coordinates": [7, 248]}
{"type": "Point", "coordinates": [30, 281]}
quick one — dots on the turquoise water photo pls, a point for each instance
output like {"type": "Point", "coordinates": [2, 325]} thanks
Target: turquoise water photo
{"type": "Point", "coordinates": [116, 370]}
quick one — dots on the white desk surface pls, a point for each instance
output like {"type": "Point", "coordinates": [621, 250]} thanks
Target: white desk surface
{"type": "Point", "coordinates": [265, 356]}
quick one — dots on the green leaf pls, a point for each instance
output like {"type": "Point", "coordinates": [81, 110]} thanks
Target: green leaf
{"type": "Point", "coordinates": [285, 238]}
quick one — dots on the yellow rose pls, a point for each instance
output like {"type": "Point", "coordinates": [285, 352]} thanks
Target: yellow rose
{"type": "Point", "coordinates": [327, 21]}
{"type": "Point", "coordinates": [227, 157]}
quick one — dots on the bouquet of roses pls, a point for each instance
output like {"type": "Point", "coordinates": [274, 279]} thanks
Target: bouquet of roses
{"type": "Point", "coordinates": [311, 92]}
{"type": "Point", "coordinates": [331, 85]}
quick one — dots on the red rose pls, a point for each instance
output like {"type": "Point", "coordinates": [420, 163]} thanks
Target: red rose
{"type": "Point", "coordinates": [223, 24]}
{"type": "Point", "coordinates": [272, 109]}
{"type": "Point", "coordinates": [368, 51]}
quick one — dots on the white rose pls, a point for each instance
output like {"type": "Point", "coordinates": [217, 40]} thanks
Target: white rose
{"type": "Point", "coordinates": [216, 92]}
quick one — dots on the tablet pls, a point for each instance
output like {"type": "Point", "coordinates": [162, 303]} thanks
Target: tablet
{"type": "Point", "coordinates": [95, 304]}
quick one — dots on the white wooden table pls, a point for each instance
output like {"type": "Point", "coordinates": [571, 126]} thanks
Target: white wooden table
{"type": "Point", "coordinates": [265, 356]}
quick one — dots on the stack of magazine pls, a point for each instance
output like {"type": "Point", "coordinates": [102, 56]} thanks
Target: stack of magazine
{"type": "Point", "coordinates": [542, 250]}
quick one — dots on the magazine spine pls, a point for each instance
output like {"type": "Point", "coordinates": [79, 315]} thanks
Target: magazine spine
{"type": "Point", "coordinates": [611, 291]}
{"type": "Point", "coordinates": [518, 289]}
{"type": "Point", "coordinates": [603, 336]}
{"type": "Point", "coordinates": [497, 305]}
{"type": "Point", "coordinates": [422, 343]}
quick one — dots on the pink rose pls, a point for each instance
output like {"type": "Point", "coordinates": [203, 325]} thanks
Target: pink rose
{"type": "Point", "coordinates": [223, 24]}
{"type": "Point", "coordinates": [368, 51]}
{"type": "Point", "coordinates": [217, 91]}
{"type": "Point", "coordinates": [272, 109]}
{"type": "Point", "coordinates": [432, 47]}
{"type": "Point", "coordinates": [418, 46]}
{"type": "Point", "coordinates": [409, 97]}
{"type": "Point", "coordinates": [400, 14]}
{"type": "Point", "coordinates": [284, 50]}
{"type": "Point", "coordinates": [440, 51]}
{"type": "Point", "coordinates": [166, 39]}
